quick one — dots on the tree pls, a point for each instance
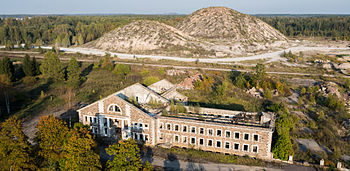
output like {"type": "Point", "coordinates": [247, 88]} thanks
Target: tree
{"type": "Point", "coordinates": [107, 62]}
{"type": "Point", "coordinates": [121, 69]}
{"type": "Point", "coordinates": [52, 67]}
{"type": "Point", "coordinates": [15, 150]}
{"type": "Point", "coordinates": [260, 72]}
{"type": "Point", "coordinates": [283, 147]}
{"type": "Point", "coordinates": [27, 66]}
{"type": "Point", "coordinates": [80, 150]}
{"type": "Point", "coordinates": [5, 83]}
{"type": "Point", "coordinates": [36, 68]}
{"type": "Point", "coordinates": [240, 81]}
{"type": "Point", "coordinates": [6, 67]}
{"type": "Point", "coordinates": [126, 156]}
{"type": "Point", "coordinates": [51, 136]}
{"type": "Point", "coordinates": [73, 72]}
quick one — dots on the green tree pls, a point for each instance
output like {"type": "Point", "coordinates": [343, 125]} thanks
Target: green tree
{"type": "Point", "coordinates": [121, 69]}
{"type": "Point", "coordinates": [51, 67]}
{"type": "Point", "coordinates": [7, 68]}
{"type": "Point", "coordinates": [240, 81]}
{"type": "Point", "coordinates": [126, 156]}
{"type": "Point", "coordinates": [27, 66]}
{"type": "Point", "coordinates": [80, 150]}
{"type": "Point", "coordinates": [51, 136]}
{"type": "Point", "coordinates": [73, 72]}
{"type": "Point", "coordinates": [15, 150]}
{"type": "Point", "coordinates": [283, 147]}
{"type": "Point", "coordinates": [260, 72]}
{"type": "Point", "coordinates": [36, 68]}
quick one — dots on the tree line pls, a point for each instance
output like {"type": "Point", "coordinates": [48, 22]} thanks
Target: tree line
{"type": "Point", "coordinates": [58, 147]}
{"type": "Point", "coordinates": [334, 27]}
{"type": "Point", "coordinates": [64, 31]}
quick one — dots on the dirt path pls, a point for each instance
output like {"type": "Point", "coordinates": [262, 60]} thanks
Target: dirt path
{"type": "Point", "coordinates": [29, 124]}
{"type": "Point", "coordinates": [272, 56]}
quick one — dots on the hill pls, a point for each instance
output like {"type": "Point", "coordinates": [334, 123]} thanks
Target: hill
{"type": "Point", "coordinates": [209, 32]}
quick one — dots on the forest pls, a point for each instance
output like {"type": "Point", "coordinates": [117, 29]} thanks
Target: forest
{"type": "Point", "coordinates": [333, 27]}
{"type": "Point", "coordinates": [65, 31]}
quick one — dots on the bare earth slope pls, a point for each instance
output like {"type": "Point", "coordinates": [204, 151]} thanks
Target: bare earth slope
{"type": "Point", "coordinates": [209, 32]}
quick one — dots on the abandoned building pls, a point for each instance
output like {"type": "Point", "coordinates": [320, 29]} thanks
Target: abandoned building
{"type": "Point", "coordinates": [148, 114]}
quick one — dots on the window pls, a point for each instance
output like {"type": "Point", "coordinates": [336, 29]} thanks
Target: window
{"type": "Point", "coordinates": [146, 126]}
{"type": "Point", "coordinates": [161, 125]}
{"type": "Point", "coordinates": [246, 136]}
{"type": "Point", "coordinates": [227, 145]}
{"type": "Point", "coordinates": [236, 135]}
{"type": "Point", "coordinates": [201, 130]}
{"type": "Point", "coordinates": [176, 127]}
{"type": "Point", "coordinates": [218, 132]}
{"type": "Point", "coordinates": [114, 108]}
{"type": "Point", "coordinates": [228, 134]}
{"type": "Point", "coordinates": [210, 131]}
{"type": "Point", "coordinates": [210, 143]}
{"type": "Point", "coordinates": [255, 149]}
{"type": "Point", "coordinates": [176, 139]}
{"type": "Point", "coordinates": [184, 139]}
{"type": "Point", "coordinates": [193, 140]}
{"type": "Point", "coordinates": [95, 120]}
{"type": "Point", "coordinates": [141, 136]}
{"type": "Point", "coordinates": [106, 131]}
{"type": "Point", "coordinates": [85, 118]}
{"type": "Point", "coordinates": [256, 137]}
{"type": "Point", "coordinates": [105, 121]}
{"type": "Point", "coordinates": [201, 141]}
{"type": "Point", "coordinates": [193, 129]}
{"type": "Point", "coordinates": [140, 125]}
{"type": "Point", "coordinates": [146, 137]}
{"type": "Point", "coordinates": [184, 128]}
{"type": "Point", "coordinates": [218, 144]}
{"type": "Point", "coordinates": [236, 146]}
{"type": "Point", "coordinates": [246, 147]}
{"type": "Point", "coordinates": [168, 127]}
{"type": "Point", "coordinates": [90, 119]}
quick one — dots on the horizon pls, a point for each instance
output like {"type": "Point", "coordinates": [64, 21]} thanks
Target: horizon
{"type": "Point", "coordinates": [161, 7]}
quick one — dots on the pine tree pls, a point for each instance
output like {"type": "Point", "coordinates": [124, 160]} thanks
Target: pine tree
{"type": "Point", "coordinates": [74, 72]}
{"type": "Point", "coordinates": [80, 150]}
{"type": "Point", "coordinates": [51, 136]}
{"type": "Point", "coordinates": [126, 156]}
{"type": "Point", "coordinates": [7, 68]}
{"type": "Point", "coordinates": [15, 149]}
{"type": "Point", "coordinates": [36, 68]}
{"type": "Point", "coordinates": [27, 66]}
{"type": "Point", "coordinates": [52, 67]}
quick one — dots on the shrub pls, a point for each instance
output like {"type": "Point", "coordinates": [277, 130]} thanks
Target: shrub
{"type": "Point", "coordinates": [29, 80]}
{"type": "Point", "coordinates": [150, 80]}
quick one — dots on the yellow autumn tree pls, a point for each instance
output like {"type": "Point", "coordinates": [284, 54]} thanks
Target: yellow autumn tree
{"type": "Point", "coordinates": [80, 150]}
{"type": "Point", "coordinates": [51, 136]}
{"type": "Point", "coordinates": [14, 147]}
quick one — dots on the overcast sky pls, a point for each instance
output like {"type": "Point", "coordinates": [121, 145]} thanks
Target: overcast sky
{"type": "Point", "coordinates": [172, 6]}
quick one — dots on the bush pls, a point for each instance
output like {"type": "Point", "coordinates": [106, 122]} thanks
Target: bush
{"type": "Point", "coordinates": [29, 80]}
{"type": "Point", "coordinates": [150, 80]}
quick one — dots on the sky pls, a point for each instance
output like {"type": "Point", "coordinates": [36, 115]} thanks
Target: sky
{"type": "Point", "coordinates": [172, 6]}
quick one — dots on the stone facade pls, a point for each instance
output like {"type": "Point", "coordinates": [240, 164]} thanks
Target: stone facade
{"type": "Point", "coordinates": [210, 129]}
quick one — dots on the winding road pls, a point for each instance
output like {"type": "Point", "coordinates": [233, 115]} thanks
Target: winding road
{"type": "Point", "coordinates": [272, 56]}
